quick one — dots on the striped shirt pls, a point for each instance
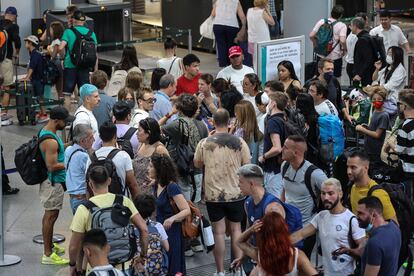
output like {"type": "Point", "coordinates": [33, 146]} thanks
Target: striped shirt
{"type": "Point", "coordinates": [272, 7]}
{"type": "Point", "coordinates": [405, 146]}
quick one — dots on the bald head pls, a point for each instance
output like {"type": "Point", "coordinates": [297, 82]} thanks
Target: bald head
{"type": "Point", "coordinates": [221, 118]}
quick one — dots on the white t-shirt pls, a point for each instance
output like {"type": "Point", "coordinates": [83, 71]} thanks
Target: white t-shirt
{"type": "Point", "coordinates": [235, 76]}
{"type": "Point", "coordinates": [176, 68]}
{"type": "Point", "coordinates": [122, 161]}
{"type": "Point", "coordinates": [351, 40]}
{"type": "Point", "coordinates": [258, 30]}
{"type": "Point", "coordinates": [333, 232]}
{"type": "Point", "coordinates": [85, 116]}
{"type": "Point", "coordinates": [137, 116]}
{"type": "Point", "coordinates": [339, 30]}
{"type": "Point", "coordinates": [326, 107]}
{"type": "Point", "coordinates": [103, 270]}
{"type": "Point", "coordinates": [392, 37]}
{"type": "Point", "coordinates": [226, 13]}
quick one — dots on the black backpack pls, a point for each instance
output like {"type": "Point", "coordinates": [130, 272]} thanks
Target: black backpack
{"type": "Point", "coordinates": [404, 209]}
{"type": "Point", "coordinates": [296, 123]}
{"type": "Point", "coordinates": [83, 54]}
{"type": "Point", "coordinates": [29, 161]}
{"type": "Point", "coordinates": [124, 142]}
{"type": "Point", "coordinates": [116, 186]}
{"type": "Point", "coordinates": [50, 71]}
{"type": "Point", "coordinates": [377, 43]}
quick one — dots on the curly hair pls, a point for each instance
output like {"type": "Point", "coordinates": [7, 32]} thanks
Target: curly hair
{"type": "Point", "coordinates": [165, 169]}
{"type": "Point", "coordinates": [187, 104]}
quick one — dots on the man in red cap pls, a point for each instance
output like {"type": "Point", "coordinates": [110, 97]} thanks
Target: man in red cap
{"type": "Point", "coordinates": [234, 73]}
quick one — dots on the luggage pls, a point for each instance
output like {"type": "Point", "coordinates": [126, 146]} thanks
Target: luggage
{"type": "Point", "coordinates": [24, 103]}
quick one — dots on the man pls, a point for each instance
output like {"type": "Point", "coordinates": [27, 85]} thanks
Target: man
{"type": "Point", "coordinates": [188, 82]}
{"type": "Point", "coordinates": [103, 111]}
{"type": "Point", "coordinates": [122, 161]}
{"type": "Point", "coordinates": [357, 170]}
{"type": "Point", "coordinates": [76, 157]}
{"type": "Point", "coordinates": [163, 107]}
{"type": "Point", "coordinates": [222, 194]}
{"type": "Point", "coordinates": [234, 73]}
{"type": "Point", "coordinates": [69, 13]}
{"type": "Point", "coordinates": [332, 226]}
{"type": "Point", "coordinates": [364, 57]}
{"type": "Point", "coordinates": [339, 38]}
{"type": "Point", "coordinates": [72, 75]}
{"type": "Point", "coordinates": [274, 136]}
{"type": "Point", "coordinates": [295, 171]}
{"type": "Point", "coordinates": [122, 114]}
{"type": "Point", "coordinates": [381, 253]}
{"type": "Point", "coordinates": [84, 114]}
{"type": "Point", "coordinates": [12, 52]}
{"type": "Point", "coordinates": [274, 86]}
{"type": "Point", "coordinates": [319, 93]}
{"type": "Point", "coordinates": [99, 181]}
{"type": "Point", "coordinates": [96, 250]}
{"type": "Point", "coordinates": [51, 190]}
{"type": "Point", "coordinates": [391, 34]}
{"type": "Point", "coordinates": [146, 100]}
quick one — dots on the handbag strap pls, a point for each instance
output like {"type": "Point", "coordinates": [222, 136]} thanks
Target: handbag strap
{"type": "Point", "coordinates": [172, 63]}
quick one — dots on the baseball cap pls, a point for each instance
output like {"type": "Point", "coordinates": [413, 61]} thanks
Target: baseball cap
{"type": "Point", "coordinates": [61, 113]}
{"type": "Point", "coordinates": [250, 170]}
{"type": "Point", "coordinates": [235, 51]}
{"type": "Point", "coordinates": [87, 90]}
{"type": "Point", "coordinates": [79, 15]}
{"type": "Point", "coordinates": [11, 10]}
{"type": "Point", "coordinates": [32, 39]}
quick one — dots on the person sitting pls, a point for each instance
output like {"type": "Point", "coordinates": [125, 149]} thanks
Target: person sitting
{"type": "Point", "coordinates": [319, 93]}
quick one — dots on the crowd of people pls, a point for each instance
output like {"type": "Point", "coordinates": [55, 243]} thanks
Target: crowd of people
{"type": "Point", "coordinates": [251, 152]}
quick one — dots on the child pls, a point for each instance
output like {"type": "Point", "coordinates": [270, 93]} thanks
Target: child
{"type": "Point", "coordinates": [102, 112]}
{"type": "Point", "coordinates": [157, 259]}
{"type": "Point", "coordinates": [376, 130]}
{"type": "Point", "coordinates": [35, 73]}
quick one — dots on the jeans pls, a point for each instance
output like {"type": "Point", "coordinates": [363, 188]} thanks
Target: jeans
{"type": "Point", "coordinates": [273, 183]}
{"type": "Point", "coordinates": [74, 203]}
{"type": "Point", "coordinates": [74, 76]}
{"type": "Point", "coordinates": [225, 36]}
{"type": "Point", "coordinates": [187, 187]}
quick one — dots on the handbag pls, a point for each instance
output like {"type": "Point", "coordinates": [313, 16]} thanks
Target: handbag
{"type": "Point", "coordinates": [206, 29]}
{"type": "Point", "coordinates": [391, 157]}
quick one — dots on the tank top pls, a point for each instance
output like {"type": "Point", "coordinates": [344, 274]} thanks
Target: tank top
{"type": "Point", "coordinates": [294, 271]}
{"type": "Point", "coordinates": [258, 30]}
{"type": "Point", "coordinates": [56, 176]}
{"type": "Point", "coordinates": [226, 13]}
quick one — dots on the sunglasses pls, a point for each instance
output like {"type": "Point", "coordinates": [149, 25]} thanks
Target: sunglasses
{"type": "Point", "coordinates": [150, 100]}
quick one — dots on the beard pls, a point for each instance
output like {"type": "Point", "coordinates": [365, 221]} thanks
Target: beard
{"type": "Point", "coordinates": [330, 205]}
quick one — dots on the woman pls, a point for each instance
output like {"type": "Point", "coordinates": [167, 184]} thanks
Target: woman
{"type": "Point", "coordinates": [155, 78]}
{"type": "Point", "coordinates": [129, 60]}
{"type": "Point", "coordinates": [258, 21]}
{"type": "Point", "coordinates": [218, 86]}
{"type": "Point", "coordinates": [275, 255]}
{"type": "Point", "coordinates": [229, 99]}
{"type": "Point", "coordinates": [287, 76]}
{"type": "Point", "coordinates": [251, 87]}
{"type": "Point", "coordinates": [149, 136]}
{"type": "Point", "coordinates": [247, 128]}
{"type": "Point", "coordinates": [226, 27]}
{"type": "Point", "coordinates": [56, 31]}
{"type": "Point", "coordinates": [134, 80]}
{"type": "Point", "coordinates": [208, 101]}
{"type": "Point", "coordinates": [171, 63]}
{"type": "Point", "coordinates": [393, 77]}
{"type": "Point", "coordinates": [162, 171]}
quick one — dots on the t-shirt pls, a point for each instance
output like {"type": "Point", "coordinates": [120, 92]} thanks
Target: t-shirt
{"type": "Point", "coordinates": [138, 115]}
{"type": "Point", "coordinates": [358, 193]}
{"type": "Point", "coordinates": [383, 249]}
{"type": "Point", "coordinates": [103, 111]}
{"type": "Point", "coordinates": [103, 271]}
{"type": "Point", "coordinates": [392, 37]}
{"type": "Point", "coordinates": [176, 68]}
{"type": "Point", "coordinates": [75, 170]}
{"type": "Point", "coordinates": [222, 154]}
{"type": "Point", "coordinates": [326, 107]}
{"type": "Point", "coordinates": [82, 220]}
{"type": "Point", "coordinates": [333, 232]}
{"type": "Point", "coordinates": [235, 77]}
{"type": "Point", "coordinates": [297, 193]}
{"type": "Point", "coordinates": [161, 231]}
{"type": "Point", "coordinates": [273, 125]}
{"type": "Point", "coordinates": [339, 30]}
{"type": "Point", "coordinates": [379, 120]}
{"type": "Point", "coordinates": [405, 146]}
{"type": "Point", "coordinates": [122, 161]}
{"type": "Point", "coordinates": [85, 116]}
{"type": "Point", "coordinates": [70, 38]}
{"type": "Point", "coordinates": [188, 86]}
{"type": "Point", "coordinates": [36, 64]}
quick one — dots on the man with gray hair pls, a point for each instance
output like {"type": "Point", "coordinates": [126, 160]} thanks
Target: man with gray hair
{"type": "Point", "coordinates": [163, 107]}
{"type": "Point", "coordinates": [76, 157]}
{"type": "Point", "coordinates": [340, 235]}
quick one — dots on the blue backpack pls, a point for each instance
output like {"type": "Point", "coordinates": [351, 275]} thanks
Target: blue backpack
{"type": "Point", "coordinates": [331, 137]}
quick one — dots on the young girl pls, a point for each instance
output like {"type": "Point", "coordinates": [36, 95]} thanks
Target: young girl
{"type": "Point", "coordinates": [379, 123]}
{"type": "Point", "coordinates": [258, 19]}
{"type": "Point", "coordinates": [56, 31]}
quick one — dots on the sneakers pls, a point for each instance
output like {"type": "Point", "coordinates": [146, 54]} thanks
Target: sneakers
{"type": "Point", "coordinates": [58, 249]}
{"type": "Point", "coordinates": [219, 274]}
{"type": "Point", "coordinates": [196, 246]}
{"type": "Point", "coordinates": [6, 122]}
{"type": "Point", "coordinates": [54, 259]}
{"type": "Point", "coordinates": [189, 253]}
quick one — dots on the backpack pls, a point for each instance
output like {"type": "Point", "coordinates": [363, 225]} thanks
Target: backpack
{"type": "Point", "coordinates": [296, 123]}
{"type": "Point", "coordinates": [317, 203]}
{"type": "Point", "coordinates": [325, 38]}
{"type": "Point", "coordinates": [377, 43]}
{"type": "Point", "coordinates": [157, 257]}
{"type": "Point", "coordinates": [116, 82]}
{"type": "Point", "coordinates": [331, 137]}
{"type": "Point", "coordinates": [3, 43]}
{"type": "Point", "coordinates": [116, 186]}
{"type": "Point", "coordinates": [50, 71]}
{"type": "Point", "coordinates": [404, 209]}
{"type": "Point", "coordinates": [29, 161]}
{"type": "Point", "coordinates": [124, 142]}
{"type": "Point", "coordinates": [114, 221]}
{"type": "Point", "coordinates": [83, 54]}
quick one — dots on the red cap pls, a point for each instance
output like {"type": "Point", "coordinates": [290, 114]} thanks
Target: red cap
{"type": "Point", "coordinates": [235, 51]}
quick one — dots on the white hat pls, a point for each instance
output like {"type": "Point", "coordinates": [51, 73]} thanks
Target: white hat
{"type": "Point", "coordinates": [32, 39]}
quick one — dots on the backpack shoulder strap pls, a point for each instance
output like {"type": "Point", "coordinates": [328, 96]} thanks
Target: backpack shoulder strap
{"type": "Point", "coordinates": [308, 174]}
{"type": "Point", "coordinates": [93, 157]}
{"type": "Point", "coordinates": [89, 33]}
{"type": "Point", "coordinates": [70, 157]}
{"type": "Point", "coordinates": [119, 199]}
{"type": "Point", "coordinates": [89, 205]}
{"type": "Point", "coordinates": [350, 238]}
{"type": "Point", "coordinates": [76, 32]}
{"type": "Point", "coordinates": [284, 169]}
{"type": "Point", "coordinates": [129, 133]}
{"type": "Point", "coordinates": [112, 154]}
{"type": "Point", "coordinates": [373, 189]}
{"type": "Point", "coordinates": [172, 63]}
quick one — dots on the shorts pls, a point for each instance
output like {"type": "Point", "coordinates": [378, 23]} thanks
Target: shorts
{"type": "Point", "coordinates": [51, 196]}
{"type": "Point", "coordinates": [38, 88]}
{"type": "Point", "coordinates": [6, 70]}
{"type": "Point", "coordinates": [233, 211]}
{"type": "Point", "coordinates": [73, 77]}
{"type": "Point", "coordinates": [338, 67]}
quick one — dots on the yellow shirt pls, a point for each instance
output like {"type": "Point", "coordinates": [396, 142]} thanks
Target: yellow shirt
{"type": "Point", "coordinates": [82, 220]}
{"type": "Point", "coordinates": [358, 193]}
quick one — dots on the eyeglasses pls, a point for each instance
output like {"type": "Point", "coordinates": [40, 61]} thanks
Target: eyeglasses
{"type": "Point", "coordinates": [150, 100]}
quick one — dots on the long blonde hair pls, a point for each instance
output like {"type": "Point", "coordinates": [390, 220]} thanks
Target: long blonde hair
{"type": "Point", "coordinates": [246, 119]}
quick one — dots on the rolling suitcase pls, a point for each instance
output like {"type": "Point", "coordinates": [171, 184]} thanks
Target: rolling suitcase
{"type": "Point", "coordinates": [25, 110]}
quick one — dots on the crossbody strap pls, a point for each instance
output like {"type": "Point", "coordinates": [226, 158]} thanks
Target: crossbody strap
{"type": "Point", "coordinates": [172, 63]}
